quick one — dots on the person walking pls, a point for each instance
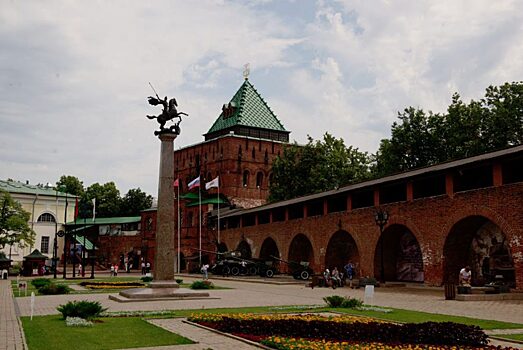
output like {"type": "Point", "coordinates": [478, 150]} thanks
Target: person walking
{"type": "Point", "coordinates": [205, 269]}
{"type": "Point", "coordinates": [349, 270]}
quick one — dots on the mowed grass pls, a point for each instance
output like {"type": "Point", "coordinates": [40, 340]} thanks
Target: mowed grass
{"type": "Point", "coordinates": [511, 336]}
{"type": "Point", "coordinates": [50, 332]}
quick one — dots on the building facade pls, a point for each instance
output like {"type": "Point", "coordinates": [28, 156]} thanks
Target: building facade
{"type": "Point", "coordinates": [49, 211]}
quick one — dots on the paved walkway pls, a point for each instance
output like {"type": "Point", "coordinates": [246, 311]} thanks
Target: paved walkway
{"type": "Point", "coordinates": [10, 331]}
{"type": "Point", "coordinates": [255, 294]}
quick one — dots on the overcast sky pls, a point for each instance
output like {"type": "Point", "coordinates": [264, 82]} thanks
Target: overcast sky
{"type": "Point", "coordinates": [74, 74]}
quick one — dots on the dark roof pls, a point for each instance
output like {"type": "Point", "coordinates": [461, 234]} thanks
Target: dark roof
{"type": "Point", "coordinates": [387, 179]}
{"type": "Point", "coordinates": [107, 221]}
{"type": "Point", "coordinates": [36, 255]}
{"type": "Point", "coordinates": [250, 110]}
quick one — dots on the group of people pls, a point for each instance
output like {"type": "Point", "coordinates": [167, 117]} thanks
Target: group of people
{"type": "Point", "coordinates": [146, 267]}
{"type": "Point", "coordinates": [335, 278]}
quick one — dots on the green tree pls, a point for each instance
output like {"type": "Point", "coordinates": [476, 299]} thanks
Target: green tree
{"type": "Point", "coordinates": [70, 184]}
{"type": "Point", "coordinates": [134, 201]}
{"type": "Point", "coordinates": [14, 227]}
{"type": "Point", "coordinates": [317, 166]}
{"type": "Point", "coordinates": [108, 201]}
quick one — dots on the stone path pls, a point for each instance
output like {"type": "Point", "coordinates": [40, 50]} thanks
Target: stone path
{"type": "Point", "coordinates": [11, 337]}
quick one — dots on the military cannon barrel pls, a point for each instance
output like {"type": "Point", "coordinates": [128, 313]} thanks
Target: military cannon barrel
{"type": "Point", "coordinates": [299, 270]}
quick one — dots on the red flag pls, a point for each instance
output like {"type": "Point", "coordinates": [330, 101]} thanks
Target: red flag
{"type": "Point", "coordinates": [176, 183]}
{"type": "Point", "coordinates": [76, 209]}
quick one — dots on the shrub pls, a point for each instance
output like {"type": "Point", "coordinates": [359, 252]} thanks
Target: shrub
{"type": "Point", "coordinates": [52, 289]}
{"type": "Point", "coordinates": [146, 279]}
{"type": "Point", "coordinates": [179, 280]}
{"type": "Point", "coordinates": [41, 282]}
{"type": "Point", "coordinates": [83, 309]}
{"type": "Point", "coordinates": [351, 303]}
{"type": "Point", "coordinates": [202, 285]}
{"type": "Point", "coordinates": [334, 300]}
{"type": "Point", "coordinates": [339, 301]}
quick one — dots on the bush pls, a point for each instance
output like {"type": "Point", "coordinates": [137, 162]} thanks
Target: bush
{"type": "Point", "coordinates": [351, 303]}
{"type": "Point", "coordinates": [202, 285]}
{"type": "Point", "coordinates": [83, 309]}
{"type": "Point", "coordinates": [52, 289]}
{"type": "Point", "coordinates": [146, 279]}
{"type": "Point", "coordinates": [339, 301]}
{"type": "Point", "coordinates": [334, 300]}
{"type": "Point", "coordinates": [41, 282]}
{"type": "Point", "coordinates": [179, 280]}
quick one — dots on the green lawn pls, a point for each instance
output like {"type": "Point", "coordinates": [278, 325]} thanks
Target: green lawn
{"type": "Point", "coordinates": [50, 332]}
{"type": "Point", "coordinates": [511, 336]}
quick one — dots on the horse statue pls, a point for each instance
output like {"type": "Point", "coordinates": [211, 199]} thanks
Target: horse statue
{"type": "Point", "coordinates": [169, 112]}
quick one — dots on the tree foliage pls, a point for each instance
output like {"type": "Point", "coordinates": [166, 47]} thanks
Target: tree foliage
{"type": "Point", "coordinates": [14, 227]}
{"type": "Point", "coordinates": [423, 138]}
{"type": "Point", "coordinates": [70, 184]}
{"type": "Point", "coordinates": [134, 201]}
{"type": "Point", "coordinates": [108, 200]}
{"type": "Point", "coordinates": [318, 166]}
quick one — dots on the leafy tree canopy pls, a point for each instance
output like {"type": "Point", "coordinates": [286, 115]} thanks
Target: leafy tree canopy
{"type": "Point", "coordinates": [423, 138]}
{"type": "Point", "coordinates": [134, 201]}
{"type": "Point", "coordinates": [70, 184]}
{"type": "Point", "coordinates": [108, 201]}
{"type": "Point", "coordinates": [318, 166]}
{"type": "Point", "coordinates": [14, 227]}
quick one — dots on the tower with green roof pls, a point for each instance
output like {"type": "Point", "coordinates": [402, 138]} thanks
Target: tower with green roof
{"type": "Point", "coordinates": [247, 114]}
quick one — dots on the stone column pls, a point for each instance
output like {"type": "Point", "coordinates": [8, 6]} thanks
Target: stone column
{"type": "Point", "coordinates": [166, 221]}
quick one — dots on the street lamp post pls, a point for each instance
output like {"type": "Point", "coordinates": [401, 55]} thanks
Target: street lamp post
{"type": "Point", "coordinates": [381, 217]}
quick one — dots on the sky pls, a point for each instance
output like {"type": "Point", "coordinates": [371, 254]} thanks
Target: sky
{"type": "Point", "coordinates": [74, 75]}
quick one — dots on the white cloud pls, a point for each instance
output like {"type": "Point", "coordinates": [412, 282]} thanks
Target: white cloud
{"type": "Point", "coordinates": [74, 75]}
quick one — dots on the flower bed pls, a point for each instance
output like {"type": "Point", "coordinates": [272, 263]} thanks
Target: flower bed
{"type": "Point", "coordinates": [111, 285]}
{"type": "Point", "coordinates": [339, 329]}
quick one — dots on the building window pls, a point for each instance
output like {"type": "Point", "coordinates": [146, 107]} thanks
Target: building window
{"type": "Point", "coordinates": [245, 178]}
{"type": "Point", "coordinates": [259, 179]}
{"type": "Point", "coordinates": [46, 217]}
{"type": "Point", "coordinates": [44, 247]}
{"type": "Point", "coordinates": [189, 219]}
{"type": "Point", "coordinates": [149, 224]}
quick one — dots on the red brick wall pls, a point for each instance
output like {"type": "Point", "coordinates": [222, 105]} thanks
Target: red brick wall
{"type": "Point", "coordinates": [429, 219]}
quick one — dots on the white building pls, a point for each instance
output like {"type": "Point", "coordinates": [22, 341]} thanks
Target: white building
{"type": "Point", "coordinates": [49, 211]}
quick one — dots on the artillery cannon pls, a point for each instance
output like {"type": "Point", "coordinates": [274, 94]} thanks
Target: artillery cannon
{"type": "Point", "coordinates": [298, 270]}
{"type": "Point", "coordinates": [231, 263]}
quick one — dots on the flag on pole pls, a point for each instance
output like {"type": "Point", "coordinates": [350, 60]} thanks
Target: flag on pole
{"type": "Point", "coordinates": [76, 209]}
{"type": "Point", "coordinates": [94, 208]}
{"type": "Point", "coordinates": [194, 183]}
{"type": "Point", "coordinates": [176, 183]}
{"type": "Point", "coordinates": [213, 183]}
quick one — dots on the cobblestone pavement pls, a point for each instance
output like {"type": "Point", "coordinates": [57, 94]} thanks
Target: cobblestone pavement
{"type": "Point", "coordinates": [254, 294]}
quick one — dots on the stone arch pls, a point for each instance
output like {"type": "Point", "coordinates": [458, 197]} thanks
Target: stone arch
{"type": "Point", "coordinates": [480, 243]}
{"type": "Point", "coordinates": [268, 249]}
{"type": "Point", "coordinates": [402, 256]}
{"type": "Point", "coordinates": [245, 249]}
{"type": "Point", "coordinates": [341, 249]}
{"type": "Point", "coordinates": [300, 249]}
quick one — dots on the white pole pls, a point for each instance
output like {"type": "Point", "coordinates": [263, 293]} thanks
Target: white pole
{"type": "Point", "coordinates": [218, 210]}
{"type": "Point", "coordinates": [200, 212]}
{"type": "Point", "coordinates": [179, 241]}
{"type": "Point", "coordinates": [32, 304]}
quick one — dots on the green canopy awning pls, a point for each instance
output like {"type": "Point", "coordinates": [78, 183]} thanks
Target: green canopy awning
{"type": "Point", "coordinates": [210, 200]}
{"type": "Point", "coordinates": [88, 244]}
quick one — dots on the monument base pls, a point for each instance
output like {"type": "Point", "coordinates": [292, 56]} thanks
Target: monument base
{"type": "Point", "coordinates": [158, 290]}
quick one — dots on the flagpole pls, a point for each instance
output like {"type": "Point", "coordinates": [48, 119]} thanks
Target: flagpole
{"type": "Point", "coordinates": [179, 242]}
{"type": "Point", "coordinates": [218, 210]}
{"type": "Point", "coordinates": [200, 212]}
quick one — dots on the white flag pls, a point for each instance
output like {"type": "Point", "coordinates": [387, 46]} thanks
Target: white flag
{"type": "Point", "coordinates": [94, 208]}
{"type": "Point", "coordinates": [213, 183]}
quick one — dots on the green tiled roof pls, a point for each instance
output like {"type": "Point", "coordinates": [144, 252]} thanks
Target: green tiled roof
{"type": "Point", "coordinates": [250, 110]}
{"type": "Point", "coordinates": [20, 187]}
{"type": "Point", "coordinates": [107, 221]}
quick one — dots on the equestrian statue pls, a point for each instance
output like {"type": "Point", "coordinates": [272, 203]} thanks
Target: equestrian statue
{"type": "Point", "coordinates": [169, 112]}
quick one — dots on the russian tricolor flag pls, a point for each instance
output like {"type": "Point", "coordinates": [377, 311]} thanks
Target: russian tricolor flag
{"type": "Point", "coordinates": [194, 183]}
